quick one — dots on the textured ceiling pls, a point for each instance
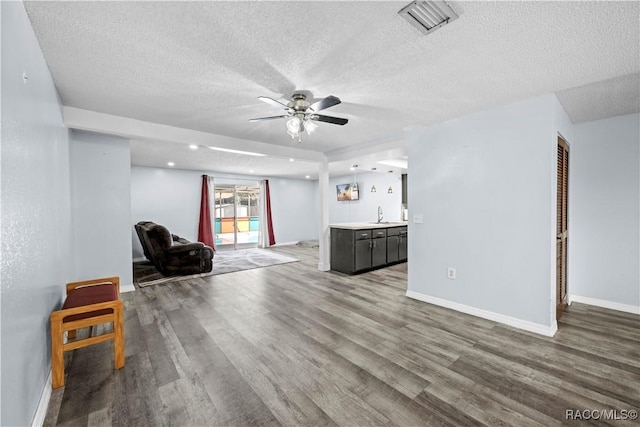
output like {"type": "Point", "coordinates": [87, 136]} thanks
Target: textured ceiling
{"type": "Point", "coordinates": [158, 154]}
{"type": "Point", "coordinates": [614, 97]}
{"type": "Point", "coordinates": [202, 65]}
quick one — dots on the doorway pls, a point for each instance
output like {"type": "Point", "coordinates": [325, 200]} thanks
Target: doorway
{"type": "Point", "coordinates": [237, 216]}
{"type": "Point", "coordinates": [562, 227]}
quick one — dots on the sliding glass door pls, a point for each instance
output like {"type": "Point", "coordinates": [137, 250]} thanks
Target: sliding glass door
{"type": "Point", "coordinates": [237, 215]}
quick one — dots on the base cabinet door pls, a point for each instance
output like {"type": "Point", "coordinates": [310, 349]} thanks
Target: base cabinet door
{"type": "Point", "coordinates": [402, 247]}
{"type": "Point", "coordinates": [378, 247]}
{"type": "Point", "coordinates": [363, 254]}
{"type": "Point", "coordinates": [379, 252]}
{"type": "Point", "coordinates": [392, 248]}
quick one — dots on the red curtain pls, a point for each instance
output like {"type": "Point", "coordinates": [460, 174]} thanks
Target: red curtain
{"type": "Point", "coordinates": [204, 226]}
{"type": "Point", "coordinates": [272, 238]}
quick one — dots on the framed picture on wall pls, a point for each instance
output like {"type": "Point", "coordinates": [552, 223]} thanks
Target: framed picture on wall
{"type": "Point", "coordinates": [346, 192]}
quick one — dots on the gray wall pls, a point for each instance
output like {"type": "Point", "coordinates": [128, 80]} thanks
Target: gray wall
{"type": "Point", "coordinates": [604, 209]}
{"type": "Point", "coordinates": [294, 209]}
{"type": "Point", "coordinates": [101, 185]}
{"type": "Point", "coordinates": [366, 208]}
{"type": "Point", "coordinates": [483, 184]}
{"type": "Point", "coordinates": [167, 197]}
{"type": "Point", "coordinates": [171, 197]}
{"type": "Point", "coordinates": [36, 219]}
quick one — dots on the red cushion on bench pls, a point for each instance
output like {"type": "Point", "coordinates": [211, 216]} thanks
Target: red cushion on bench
{"type": "Point", "coordinates": [88, 295]}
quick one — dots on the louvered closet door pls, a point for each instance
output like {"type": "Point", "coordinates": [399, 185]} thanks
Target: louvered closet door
{"type": "Point", "coordinates": [562, 227]}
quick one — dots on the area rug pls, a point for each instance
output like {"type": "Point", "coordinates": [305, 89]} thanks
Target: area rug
{"type": "Point", "coordinates": [145, 274]}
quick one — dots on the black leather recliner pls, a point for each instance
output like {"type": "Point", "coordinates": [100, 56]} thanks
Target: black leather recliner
{"type": "Point", "coordinates": [172, 254]}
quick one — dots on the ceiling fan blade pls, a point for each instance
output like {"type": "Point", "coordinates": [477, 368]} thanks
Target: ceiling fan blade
{"type": "Point", "coordinates": [327, 102]}
{"type": "Point", "coordinates": [260, 119]}
{"type": "Point", "coordinates": [328, 119]}
{"type": "Point", "coordinates": [273, 102]}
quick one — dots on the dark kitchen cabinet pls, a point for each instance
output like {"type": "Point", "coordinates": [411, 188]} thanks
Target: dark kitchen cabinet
{"type": "Point", "coordinates": [362, 255]}
{"type": "Point", "coordinates": [358, 250]}
{"type": "Point", "coordinates": [378, 248]}
{"type": "Point", "coordinates": [402, 245]}
{"type": "Point", "coordinates": [393, 243]}
{"type": "Point", "coordinates": [396, 245]}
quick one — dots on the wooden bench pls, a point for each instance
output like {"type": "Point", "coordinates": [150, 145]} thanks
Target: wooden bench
{"type": "Point", "coordinates": [88, 303]}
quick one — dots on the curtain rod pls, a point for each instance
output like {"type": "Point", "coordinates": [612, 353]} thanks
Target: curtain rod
{"type": "Point", "coordinates": [236, 179]}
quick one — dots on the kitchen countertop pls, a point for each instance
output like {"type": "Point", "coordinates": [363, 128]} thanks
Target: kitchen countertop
{"type": "Point", "coordinates": [368, 225]}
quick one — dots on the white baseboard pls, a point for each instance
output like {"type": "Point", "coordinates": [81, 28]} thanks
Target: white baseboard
{"type": "Point", "coordinates": [627, 308]}
{"type": "Point", "coordinates": [537, 328]}
{"type": "Point", "coordinates": [285, 244]}
{"type": "Point", "coordinates": [127, 288]}
{"type": "Point", "coordinates": [43, 404]}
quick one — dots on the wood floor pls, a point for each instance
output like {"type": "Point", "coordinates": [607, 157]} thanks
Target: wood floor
{"type": "Point", "coordinates": [289, 345]}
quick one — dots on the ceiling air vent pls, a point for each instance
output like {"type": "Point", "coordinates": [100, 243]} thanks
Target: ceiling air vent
{"type": "Point", "coordinates": [428, 16]}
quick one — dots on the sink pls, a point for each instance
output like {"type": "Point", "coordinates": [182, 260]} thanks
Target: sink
{"type": "Point", "coordinates": [387, 222]}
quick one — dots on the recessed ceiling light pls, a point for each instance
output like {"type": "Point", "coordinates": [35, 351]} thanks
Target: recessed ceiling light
{"type": "Point", "coordinates": [193, 147]}
{"type": "Point", "coordinates": [229, 150]}
{"type": "Point", "coordinates": [251, 171]}
{"type": "Point", "coordinates": [171, 164]}
{"type": "Point", "coordinates": [307, 176]}
{"type": "Point", "coordinates": [291, 160]}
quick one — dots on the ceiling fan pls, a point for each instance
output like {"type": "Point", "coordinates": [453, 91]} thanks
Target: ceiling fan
{"type": "Point", "coordinates": [302, 114]}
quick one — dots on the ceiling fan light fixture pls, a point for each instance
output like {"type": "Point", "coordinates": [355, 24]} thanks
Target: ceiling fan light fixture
{"type": "Point", "coordinates": [301, 115]}
{"type": "Point", "coordinates": [294, 134]}
{"type": "Point", "coordinates": [428, 16]}
{"type": "Point", "coordinates": [293, 125]}
{"type": "Point", "coordinates": [309, 126]}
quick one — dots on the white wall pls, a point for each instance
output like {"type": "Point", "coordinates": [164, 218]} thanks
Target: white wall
{"type": "Point", "coordinates": [35, 217]}
{"type": "Point", "coordinates": [604, 211]}
{"type": "Point", "coordinates": [366, 208]}
{"type": "Point", "coordinates": [483, 185]}
{"type": "Point", "coordinates": [171, 197]}
{"type": "Point", "coordinates": [294, 210]}
{"type": "Point", "coordinates": [100, 183]}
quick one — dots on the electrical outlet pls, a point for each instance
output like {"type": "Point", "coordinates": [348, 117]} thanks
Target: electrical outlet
{"type": "Point", "coordinates": [451, 273]}
{"type": "Point", "coordinates": [417, 218]}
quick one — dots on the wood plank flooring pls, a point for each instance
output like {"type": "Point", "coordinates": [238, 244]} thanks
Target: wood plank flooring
{"type": "Point", "coordinates": [289, 345]}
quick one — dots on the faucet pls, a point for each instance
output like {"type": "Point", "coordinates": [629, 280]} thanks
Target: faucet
{"type": "Point", "coordinates": [379, 214]}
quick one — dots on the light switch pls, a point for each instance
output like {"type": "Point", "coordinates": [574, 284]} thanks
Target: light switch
{"type": "Point", "coordinates": [417, 218]}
